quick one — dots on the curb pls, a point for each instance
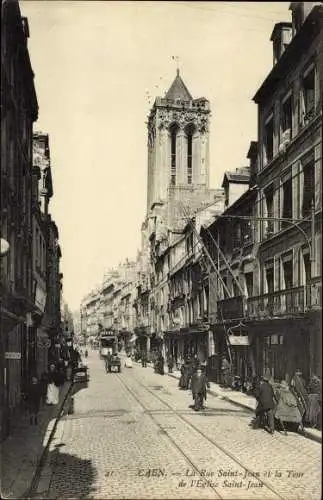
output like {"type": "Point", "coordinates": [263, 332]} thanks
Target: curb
{"type": "Point", "coordinates": [307, 434]}
{"type": "Point", "coordinates": [36, 475]}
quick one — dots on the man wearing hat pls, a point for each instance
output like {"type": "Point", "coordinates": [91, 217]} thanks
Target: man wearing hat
{"type": "Point", "coordinates": [298, 386]}
{"type": "Point", "coordinates": [266, 402]}
{"type": "Point", "coordinates": [199, 385]}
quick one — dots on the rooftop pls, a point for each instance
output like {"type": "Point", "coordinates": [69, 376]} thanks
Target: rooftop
{"type": "Point", "coordinates": [178, 90]}
{"type": "Point", "coordinates": [240, 175]}
{"type": "Point", "coordinates": [293, 53]}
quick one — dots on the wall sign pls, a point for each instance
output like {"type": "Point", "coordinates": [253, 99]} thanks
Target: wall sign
{"type": "Point", "coordinates": [12, 355]}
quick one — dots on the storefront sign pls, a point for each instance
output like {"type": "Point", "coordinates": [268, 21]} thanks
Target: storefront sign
{"type": "Point", "coordinates": [12, 355]}
{"type": "Point", "coordinates": [239, 339]}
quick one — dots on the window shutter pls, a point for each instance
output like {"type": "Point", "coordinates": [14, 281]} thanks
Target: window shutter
{"type": "Point", "coordinates": [295, 192]}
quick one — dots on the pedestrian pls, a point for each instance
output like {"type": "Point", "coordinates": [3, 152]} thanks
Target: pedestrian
{"type": "Point", "coordinates": [34, 396]}
{"type": "Point", "coordinates": [170, 364]}
{"type": "Point", "coordinates": [314, 414]}
{"type": "Point", "coordinates": [144, 359]}
{"type": "Point", "coordinates": [266, 404]}
{"type": "Point", "coordinates": [184, 378]}
{"type": "Point", "coordinates": [298, 386]}
{"type": "Point", "coordinates": [160, 364]}
{"type": "Point", "coordinates": [43, 387]}
{"type": "Point", "coordinates": [225, 368]}
{"type": "Point", "coordinates": [287, 411]}
{"type": "Point", "coordinates": [199, 385]}
{"type": "Point", "coordinates": [54, 382]}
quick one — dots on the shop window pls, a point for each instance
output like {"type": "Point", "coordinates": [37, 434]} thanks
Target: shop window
{"type": "Point", "coordinates": [287, 202]}
{"type": "Point", "coordinates": [269, 140]}
{"type": "Point", "coordinates": [309, 189]}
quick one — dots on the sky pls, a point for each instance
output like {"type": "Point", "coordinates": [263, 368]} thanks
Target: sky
{"type": "Point", "coordinates": [96, 65]}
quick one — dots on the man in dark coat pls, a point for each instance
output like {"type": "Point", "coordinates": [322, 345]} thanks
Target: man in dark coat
{"type": "Point", "coordinates": [34, 397]}
{"type": "Point", "coordinates": [199, 384]}
{"type": "Point", "coordinates": [266, 404]}
{"type": "Point", "coordinates": [144, 359]}
{"type": "Point", "coordinates": [298, 386]}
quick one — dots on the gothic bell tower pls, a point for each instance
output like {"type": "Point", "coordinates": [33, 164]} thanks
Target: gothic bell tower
{"type": "Point", "coordinates": [178, 144]}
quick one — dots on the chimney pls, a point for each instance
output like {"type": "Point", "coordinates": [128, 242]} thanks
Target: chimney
{"type": "Point", "coordinates": [281, 37]}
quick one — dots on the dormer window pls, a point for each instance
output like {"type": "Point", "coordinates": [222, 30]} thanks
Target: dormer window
{"type": "Point", "coordinates": [281, 37]}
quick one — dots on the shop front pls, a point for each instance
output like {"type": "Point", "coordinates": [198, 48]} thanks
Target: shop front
{"type": "Point", "coordinates": [143, 339]}
{"type": "Point", "coordinates": [123, 339]}
{"type": "Point", "coordinates": [282, 346]}
{"type": "Point", "coordinates": [232, 343]}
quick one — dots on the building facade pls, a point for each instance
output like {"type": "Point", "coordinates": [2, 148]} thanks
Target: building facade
{"type": "Point", "coordinates": [19, 110]}
{"type": "Point", "coordinates": [266, 301]}
{"type": "Point", "coordinates": [286, 330]}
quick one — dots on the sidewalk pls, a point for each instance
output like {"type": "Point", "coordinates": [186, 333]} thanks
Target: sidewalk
{"type": "Point", "coordinates": [22, 451]}
{"type": "Point", "coordinates": [248, 402]}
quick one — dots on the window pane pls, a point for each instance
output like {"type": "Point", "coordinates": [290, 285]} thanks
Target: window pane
{"type": "Point", "coordinates": [287, 202]}
{"type": "Point", "coordinates": [308, 190]}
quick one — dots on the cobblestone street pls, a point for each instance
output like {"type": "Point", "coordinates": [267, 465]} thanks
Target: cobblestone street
{"type": "Point", "coordinates": [133, 435]}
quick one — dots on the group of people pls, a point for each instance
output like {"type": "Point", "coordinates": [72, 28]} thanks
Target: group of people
{"type": "Point", "coordinates": [287, 405]}
{"type": "Point", "coordinates": [43, 390]}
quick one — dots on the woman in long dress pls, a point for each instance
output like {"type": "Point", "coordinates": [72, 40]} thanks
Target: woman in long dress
{"type": "Point", "coordinates": [287, 410]}
{"type": "Point", "coordinates": [53, 386]}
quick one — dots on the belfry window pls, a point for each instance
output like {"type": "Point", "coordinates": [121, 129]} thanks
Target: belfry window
{"type": "Point", "coordinates": [189, 136]}
{"type": "Point", "coordinates": [173, 139]}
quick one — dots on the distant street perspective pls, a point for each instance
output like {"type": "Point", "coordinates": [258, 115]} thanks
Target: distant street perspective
{"type": "Point", "coordinates": [134, 434]}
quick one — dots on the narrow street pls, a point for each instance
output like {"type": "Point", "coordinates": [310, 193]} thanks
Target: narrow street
{"type": "Point", "coordinates": [134, 435]}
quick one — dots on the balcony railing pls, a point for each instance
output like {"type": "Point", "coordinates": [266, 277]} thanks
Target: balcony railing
{"type": "Point", "coordinates": [280, 303]}
{"type": "Point", "coordinates": [231, 308]}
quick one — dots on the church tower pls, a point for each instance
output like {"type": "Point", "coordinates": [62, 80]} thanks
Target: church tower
{"type": "Point", "coordinates": [178, 144]}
